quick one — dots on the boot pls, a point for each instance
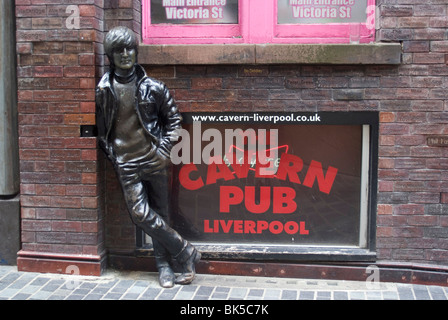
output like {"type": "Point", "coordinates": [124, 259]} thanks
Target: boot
{"type": "Point", "coordinates": [166, 277]}
{"type": "Point", "coordinates": [188, 258]}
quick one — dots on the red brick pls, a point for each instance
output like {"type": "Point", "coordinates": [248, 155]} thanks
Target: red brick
{"type": "Point", "coordinates": [64, 83]}
{"type": "Point", "coordinates": [31, 11]}
{"type": "Point", "coordinates": [409, 209]}
{"type": "Point", "coordinates": [394, 129]}
{"type": "Point", "coordinates": [50, 190]}
{"type": "Point", "coordinates": [68, 226]}
{"type": "Point", "coordinates": [79, 72]}
{"type": "Point", "coordinates": [34, 154]}
{"type": "Point", "coordinates": [63, 131]}
{"type": "Point", "coordinates": [48, 47]}
{"type": "Point", "coordinates": [33, 131]}
{"type": "Point", "coordinates": [65, 155]}
{"type": "Point", "coordinates": [48, 23]}
{"type": "Point", "coordinates": [90, 203]}
{"type": "Point", "coordinates": [89, 178]}
{"type": "Point", "coordinates": [50, 213]}
{"type": "Point", "coordinates": [31, 35]}
{"type": "Point", "coordinates": [87, 10]}
{"type": "Point", "coordinates": [64, 106]}
{"type": "Point", "coordinates": [387, 117]}
{"type": "Point", "coordinates": [444, 197]}
{"type": "Point", "coordinates": [35, 201]}
{"type": "Point", "coordinates": [65, 202]}
{"type": "Point", "coordinates": [36, 225]}
{"type": "Point", "coordinates": [429, 58]}
{"type": "Point", "coordinates": [28, 213]}
{"type": "Point", "coordinates": [89, 155]}
{"type": "Point", "coordinates": [94, 226]}
{"type": "Point", "coordinates": [49, 166]}
{"type": "Point", "coordinates": [24, 48]}
{"type": "Point", "coordinates": [87, 107]}
{"type": "Point", "coordinates": [81, 190]}
{"type": "Point", "coordinates": [29, 189]}
{"type": "Point", "coordinates": [385, 209]}
{"type": "Point", "coordinates": [82, 238]}
{"type": "Point", "coordinates": [86, 59]}
{"type": "Point", "coordinates": [79, 119]}
{"type": "Point", "coordinates": [51, 237]}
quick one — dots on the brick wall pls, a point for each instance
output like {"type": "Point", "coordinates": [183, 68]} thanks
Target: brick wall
{"type": "Point", "coordinates": [63, 178]}
{"type": "Point", "coordinates": [412, 223]}
{"type": "Point", "coordinates": [60, 170]}
{"type": "Point", "coordinates": [413, 211]}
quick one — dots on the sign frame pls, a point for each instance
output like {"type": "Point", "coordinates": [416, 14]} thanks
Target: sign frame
{"type": "Point", "coordinates": [365, 251]}
{"type": "Point", "coordinates": [258, 24]}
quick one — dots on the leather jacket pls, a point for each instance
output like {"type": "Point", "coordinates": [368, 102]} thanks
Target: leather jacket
{"type": "Point", "coordinates": [155, 107]}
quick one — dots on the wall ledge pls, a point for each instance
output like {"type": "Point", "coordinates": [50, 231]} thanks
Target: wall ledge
{"type": "Point", "coordinates": [333, 54]}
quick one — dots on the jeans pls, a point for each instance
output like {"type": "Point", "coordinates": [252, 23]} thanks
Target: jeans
{"type": "Point", "coordinates": [146, 188]}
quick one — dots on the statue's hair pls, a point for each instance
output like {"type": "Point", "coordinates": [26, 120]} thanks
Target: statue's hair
{"type": "Point", "coordinates": [119, 38]}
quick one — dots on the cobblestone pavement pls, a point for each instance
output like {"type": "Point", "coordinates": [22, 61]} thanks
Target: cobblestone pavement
{"type": "Point", "coordinates": [115, 285]}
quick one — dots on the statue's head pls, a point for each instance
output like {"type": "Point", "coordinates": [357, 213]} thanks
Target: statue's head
{"type": "Point", "coordinates": [121, 47]}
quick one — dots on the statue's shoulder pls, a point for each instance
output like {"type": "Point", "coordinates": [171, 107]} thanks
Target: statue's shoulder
{"type": "Point", "coordinates": [152, 84]}
{"type": "Point", "coordinates": [105, 81]}
{"type": "Point", "coordinates": [151, 81]}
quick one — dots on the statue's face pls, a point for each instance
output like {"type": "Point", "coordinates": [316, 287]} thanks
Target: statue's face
{"type": "Point", "coordinates": [125, 59]}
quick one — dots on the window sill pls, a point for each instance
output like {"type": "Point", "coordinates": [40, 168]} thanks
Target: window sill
{"type": "Point", "coordinates": [376, 53]}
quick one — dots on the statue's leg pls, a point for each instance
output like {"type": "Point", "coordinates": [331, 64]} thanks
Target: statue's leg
{"type": "Point", "coordinates": [159, 194]}
{"type": "Point", "coordinates": [144, 216]}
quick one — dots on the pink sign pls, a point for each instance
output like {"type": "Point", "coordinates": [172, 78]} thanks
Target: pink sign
{"type": "Point", "coordinates": [256, 21]}
{"type": "Point", "coordinates": [194, 11]}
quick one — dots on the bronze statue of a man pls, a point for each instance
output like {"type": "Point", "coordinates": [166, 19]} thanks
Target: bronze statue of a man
{"type": "Point", "coordinates": [136, 120]}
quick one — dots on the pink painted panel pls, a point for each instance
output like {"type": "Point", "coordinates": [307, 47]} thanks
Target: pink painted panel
{"type": "Point", "coordinates": [188, 33]}
{"type": "Point", "coordinates": [257, 24]}
{"type": "Point", "coordinates": [328, 32]}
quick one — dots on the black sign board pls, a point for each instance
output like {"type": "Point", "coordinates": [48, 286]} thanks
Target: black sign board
{"type": "Point", "coordinates": [189, 12]}
{"type": "Point", "coordinates": [313, 191]}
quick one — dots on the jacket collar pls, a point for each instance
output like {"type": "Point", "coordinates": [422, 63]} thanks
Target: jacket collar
{"type": "Point", "coordinates": [108, 78]}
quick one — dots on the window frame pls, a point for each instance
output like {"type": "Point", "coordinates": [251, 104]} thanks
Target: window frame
{"type": "Point", "coordinates": [257, 25]}
{"type": "Point", "coordinates": [324, 33]}
{"type": "Point", "coordinates": [190, 33]}
{"type": "Point", "coordinates": [365, 250]}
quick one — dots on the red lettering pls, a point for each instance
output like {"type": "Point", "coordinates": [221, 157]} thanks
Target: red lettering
{"type": "Point", "coordinates": [186, 181]}
{"type": "Point", "coordinates": [284, 200]}
{"type": "Point", "coordinates": [262, 225]}
{"type": "Point", "coordinates": [241, 170]}
{"type": "Point", "coordinates": [254, 227]}
{"type": "Point", "coordinates": [229, 195]}
{"type": "Point", "coordinates": [315, 171]}
{"type": "Point", "coordinates": [238, 226]}
{"type": "Point", "coordinates": [291, 227]}
{"type": "Point", "coordinates": [276, 227]}
{"type": "Point", "coordinates": [290, 166]}
{"type": "Point", "coordinates": [207, 228]}
{"type": "Point", "coordinates": [226, 226]}
{"type": "Point", "coordinates": [216, 171]}
{"type": "Point", "coordinates": [264, 203]}
{"type": "Point", "coordinates": [303, 228]}
{"type": "Point", "coordinates": [249, 226]}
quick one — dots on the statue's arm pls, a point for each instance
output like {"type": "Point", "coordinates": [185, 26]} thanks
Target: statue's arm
{"type": "Point", "coordinates": [171, 121]}
{"type": "Point", "coordinates": [100, 100]}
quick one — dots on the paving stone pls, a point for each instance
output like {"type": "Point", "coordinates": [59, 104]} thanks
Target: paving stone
{"type": "Point", "coordinates": [130, 286]}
